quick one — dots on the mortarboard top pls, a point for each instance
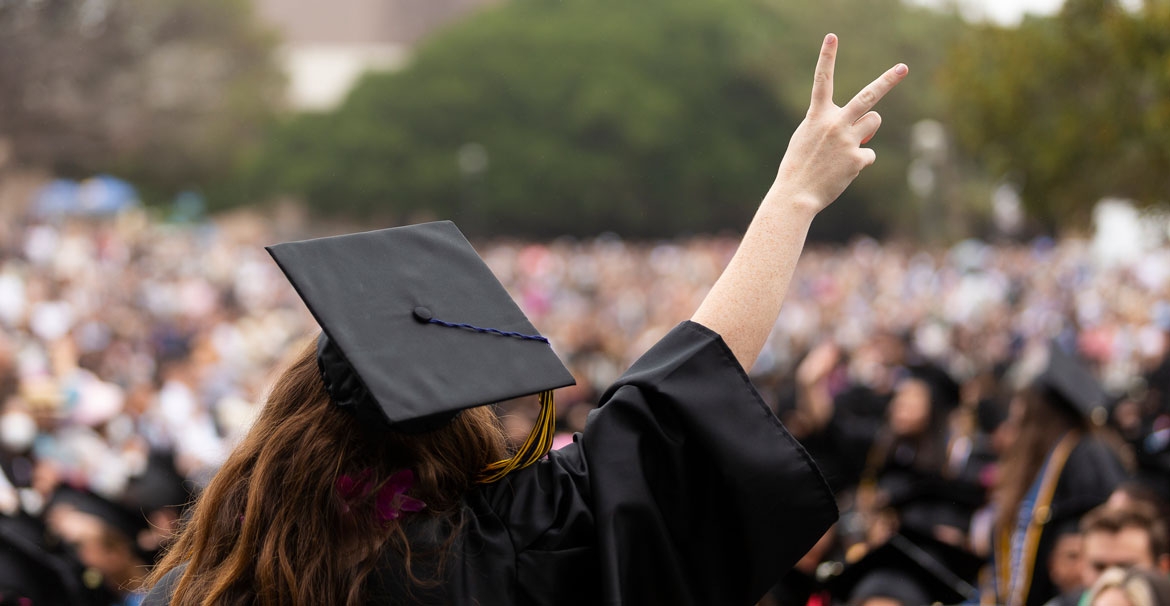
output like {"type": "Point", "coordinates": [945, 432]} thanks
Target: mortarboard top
{"type": "Point", "coordinates": [959, 560]}
{"type": "Point", "coordinates": [415, 325]}
{"type": "Point", "coordinates": [903, 571]}
{"type": "Point", "coordinates": [1069, 383]}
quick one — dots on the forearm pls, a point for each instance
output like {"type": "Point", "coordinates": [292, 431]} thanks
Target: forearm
{"type": "Point", "coordinates": [744, 303]}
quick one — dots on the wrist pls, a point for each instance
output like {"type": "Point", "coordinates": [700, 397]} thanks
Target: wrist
{"type": "Point", "coordinates": [804, 203]}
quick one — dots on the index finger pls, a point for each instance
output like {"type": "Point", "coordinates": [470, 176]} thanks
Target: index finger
{"type": "Point", "coordinates": [822, 91]}
{"type": "Point", "coordinates": [864, 101]}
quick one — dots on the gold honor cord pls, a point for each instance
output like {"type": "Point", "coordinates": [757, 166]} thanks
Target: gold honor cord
{"type": "Point", "coordinates": [1041, 514]}
{"type": "Point", "coordinates": [536, 446]}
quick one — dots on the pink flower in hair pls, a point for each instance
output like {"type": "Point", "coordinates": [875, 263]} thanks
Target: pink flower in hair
{"type": "Point", "coordinates": [350, 488]}
{"type": "Point", "coordinates": [392, 498]}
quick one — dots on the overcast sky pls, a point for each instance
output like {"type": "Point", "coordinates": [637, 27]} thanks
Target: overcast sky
{"type": "Point", "coordinates": [1008, 12]}
{"type": "Point", "coordinates": [1011, 11]}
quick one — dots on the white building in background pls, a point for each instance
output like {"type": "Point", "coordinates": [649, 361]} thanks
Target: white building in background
{"type": "Point", "coordinates": [329, 43]}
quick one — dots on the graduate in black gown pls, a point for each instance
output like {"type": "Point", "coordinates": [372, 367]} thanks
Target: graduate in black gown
{"type": "Point", "coordinates": [1061, 465]}
{"type": "Point", "coordinates": [374, 475]}
{"type": "Point", "coordinates": [915, 477]}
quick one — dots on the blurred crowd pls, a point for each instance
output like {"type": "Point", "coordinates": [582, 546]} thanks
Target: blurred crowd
{"type": "Point", "coordinates": [134, 353]}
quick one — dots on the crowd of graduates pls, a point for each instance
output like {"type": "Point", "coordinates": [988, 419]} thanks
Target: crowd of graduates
{"type": "Point", "coordinates": [981, 411]}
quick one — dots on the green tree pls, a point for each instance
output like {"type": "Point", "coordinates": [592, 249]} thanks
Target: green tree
{"type": "Point", "coordinates": [585, 116]}
{"type": "Point", "coordinates": [579, 116]}
{"type": "Point", "coordinates": [1071, 108]}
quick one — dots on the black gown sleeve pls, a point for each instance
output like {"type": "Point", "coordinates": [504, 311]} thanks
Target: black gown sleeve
{"type": "Point", "coordinates": [684, 488]}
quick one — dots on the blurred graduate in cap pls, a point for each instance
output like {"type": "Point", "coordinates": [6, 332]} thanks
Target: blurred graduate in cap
{"type": "Point", "coordinates": [914, 477]}
{"type": "Point", "coordinates": [376, 475]}
{"type": "Point", "coordinates": [104, 535]}
{"type": "Point", "coordinates": [1061, 464]}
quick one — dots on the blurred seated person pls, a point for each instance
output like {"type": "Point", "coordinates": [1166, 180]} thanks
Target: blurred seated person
{"type": "Point", "coordinates": [842, 401]}
{"type": "Point", "coordinates": [1131, 535]}
{"type": "Point", "coordinates": [914, 468]}
{"type": "Point", "coordinates": [1130, 587]}
{"type": "Point", "coordinates": [104, 536]}
{"type": "Point", "coordinates": [1127, 537]}
{"type": "Point", "coordinates": [1065, 563]}
{"type": "Point", "coordinates": [915, 477]}
{"type": "Point", "coordinates": [1062, 464]}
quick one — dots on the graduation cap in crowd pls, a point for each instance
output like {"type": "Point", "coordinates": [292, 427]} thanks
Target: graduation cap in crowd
{"type": "Point", "coordinates": [415, 329]}
{"type": "Point", "coordinates": [1064, 380]}
{"type": "Point", "coordinates": [159, 486]}
{"type": "Point", "coordinates": [902, 571]}
{"type": "Point", "coordinates": [962, 562]}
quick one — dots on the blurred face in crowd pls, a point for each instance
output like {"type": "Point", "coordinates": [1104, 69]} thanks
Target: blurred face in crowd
{"type": "Point", "coordinates": [910, 408]}
{"type": "Point", "coordinates": [97, 546]}
{"type": "Point", "coordinates": [1064, 564]}
{"type": "Point", "coordinates": [1127, 548]}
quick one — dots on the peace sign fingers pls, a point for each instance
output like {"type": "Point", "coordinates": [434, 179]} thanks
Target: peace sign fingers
{"type": "Point", "coordinates": [825, 153]}
{"type": "Point", "coordinates": [864, 101]}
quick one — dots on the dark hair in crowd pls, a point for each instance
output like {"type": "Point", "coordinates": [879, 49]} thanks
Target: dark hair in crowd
{"type": "Point", "coordinates": [1113, 519]}
{"type": "Point", "coordinates": [1041, 424]}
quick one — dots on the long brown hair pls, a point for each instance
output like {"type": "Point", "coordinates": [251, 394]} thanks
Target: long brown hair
{"type": "Point", "coordinates": [1040, 424]}
{"type": "Point", "coordinates": [271, 529]}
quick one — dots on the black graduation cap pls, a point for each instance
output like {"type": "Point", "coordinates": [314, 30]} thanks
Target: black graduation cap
{"type": "Point", "coordinates": [1066, 381]}
{"type": "Point", "coordinates": [903, 571]}
{"type": "Point", "coordinates": [415, 325]}
{"type": "Point", "coordinates": [959, 560]}
{"type": "Point", "coordinates": [159, 486]}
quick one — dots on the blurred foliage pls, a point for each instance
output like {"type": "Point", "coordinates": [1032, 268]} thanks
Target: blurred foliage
{"type": "Point", "coordinates": [1071, 108]}
{"type": "Point", "coordinates": [169, 93]}
{"type": "Point", "coordinates": [651, 118]}
{"type": "Point", "coordinates": [787, 41]}
{"type": "Point", "coordinates": [571, 116]}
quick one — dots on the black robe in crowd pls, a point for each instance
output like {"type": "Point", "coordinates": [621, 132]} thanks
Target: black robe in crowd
{"type": "Point", "coordinates": [1089, 476]}
{"type": "Point", "coordinates": [684, 488]}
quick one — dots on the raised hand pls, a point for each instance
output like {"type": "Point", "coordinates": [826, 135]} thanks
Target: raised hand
{"type": "Point", "coordinates": [825, 153]}
{"type": "Point", "coordinates": [823, 158]}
